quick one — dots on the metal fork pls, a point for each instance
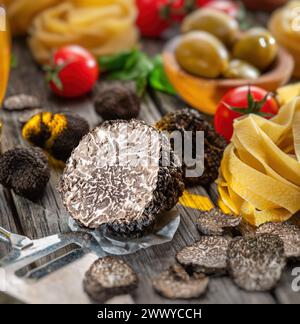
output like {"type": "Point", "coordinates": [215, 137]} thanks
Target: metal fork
{"type": "Point", "coordinates": [17, 242]}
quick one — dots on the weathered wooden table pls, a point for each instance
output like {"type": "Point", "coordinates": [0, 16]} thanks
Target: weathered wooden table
{"type": "Point", "coordinates": [33, 220]}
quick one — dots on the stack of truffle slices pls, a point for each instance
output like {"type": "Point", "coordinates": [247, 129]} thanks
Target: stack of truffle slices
{"type": "Point", "coordinates": [255, 261]}
{"type": "Point", "coordinates": [123, 175]}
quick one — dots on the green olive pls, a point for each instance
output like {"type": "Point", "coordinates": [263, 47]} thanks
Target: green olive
{"type": "Point", "coordinates": [221, 25]}
{"type": "Point", "coordinates": [238, 69]}
{"type": "Point", "coordinates": [202, 54]}
{"type": "Point", "coordinates": [258, 47]}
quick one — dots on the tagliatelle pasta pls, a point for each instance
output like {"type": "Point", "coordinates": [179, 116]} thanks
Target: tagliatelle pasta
{"type": "Point", "coordinates": [285, 26]}
{"type": "Point", "coordinates": [22, 12]}
{"type": "Point", "coordinates": [103, 27]}
{"type": "Point", "coordinates": [260, 171]}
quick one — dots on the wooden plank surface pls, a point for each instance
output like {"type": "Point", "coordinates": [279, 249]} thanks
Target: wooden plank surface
{"type": "Point", "coordinates": [47, 216]}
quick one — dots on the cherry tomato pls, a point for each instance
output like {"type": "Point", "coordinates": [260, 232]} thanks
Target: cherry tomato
{"type": "Point", "coordinates": [152, 20]}
{"type": "Point", "coordinates": [73, 72]}
{"type": "Point", "coordinates": [229, 7]}
{"type": "Point", "coordinates": [180, 8]}
{"type": "Point", "coordinates": [242, 101]}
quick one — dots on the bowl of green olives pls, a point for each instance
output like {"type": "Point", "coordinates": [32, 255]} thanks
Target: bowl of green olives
{"type": "Point", "coordinates": [212, 56]}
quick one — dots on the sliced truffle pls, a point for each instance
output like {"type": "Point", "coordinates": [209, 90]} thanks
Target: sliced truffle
{"type": "Point", "coordinates": [256, 263]}
{"type": "Point", "coordinates": [208, 255]}
{"type": "Point", "coordinates": [214, 145]}
{"type": "Point", "coordinates": [58, 134]}
{"type": "Point", "coordinates": [177, 284]}
{"type": "Point", "coordinates": [215, 222]}
{"type": "Point", "coordinates": [25, 171]}
{"type": "Point", "coordinates": [21, 102]}
{"type": "Point", "coordinates": [116, 101]}
{"type": "Point", "coordinates": [290, 235]}
{"type": "Point", "coordinates": [109, 277]}
{"type": "Point", "coordinates": [246, 229]}
{"type": "Point", "coordinates": [115, 178]}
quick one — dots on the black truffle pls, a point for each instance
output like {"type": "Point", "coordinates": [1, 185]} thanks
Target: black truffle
{"type": "Point", "coordinates": [214, 144]}
{"type": "Point", "coordinates": [177, 284]}
{"type": "Point", "coordinates": [109, 277]}
{"type": "Point", "coordinates": [117, 176]}
{"type": "Point", "coordinates": [215, 222]}
{"type": "Point", "coordinates": [116, 101]}
{"type": "Point", "coordinates": [26, 171]}
{"type": "Point", "coordinates": [290, 235]}
{"type": "Point", "coordinates": [58, 134]}
{"type": "Point", "coordinates": [256, 263]}
{"type": "Point", "coordinates": [208, 255]}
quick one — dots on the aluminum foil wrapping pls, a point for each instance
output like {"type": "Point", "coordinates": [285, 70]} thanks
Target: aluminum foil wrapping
{"type": "Point", "coordinates": [163, 233]}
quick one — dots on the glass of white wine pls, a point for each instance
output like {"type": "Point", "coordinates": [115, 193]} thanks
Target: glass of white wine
{"type": "Point", "coordinates": [5, 58]}
{"type": "Point", "coordinates": [4, 53]}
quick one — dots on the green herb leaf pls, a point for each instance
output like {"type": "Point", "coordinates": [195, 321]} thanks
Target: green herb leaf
{"type": "Point", "coordinates": [138, 67]}
{"type": "Point", "coordinates": [116, 62]}
{"type": "Point", "coordinates": [158, 79]}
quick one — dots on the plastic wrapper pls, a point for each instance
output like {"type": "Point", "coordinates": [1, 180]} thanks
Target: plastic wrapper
{"type": "Point", "coordinates": [164, 232]}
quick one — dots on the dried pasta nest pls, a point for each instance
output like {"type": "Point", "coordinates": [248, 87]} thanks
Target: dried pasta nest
{"type": "Point", "coordinates": [109, 277]}
{"type": "Point", "coordinates": [114, 179]}
{"type": "Point", "coordinates": [216, 223]}
{"type": "Point", "coordinates": [208, 255]}
{"type": "Point", "coordinates": [176, 283]}
{"type": "Point", "coordinates": [290, 235]}
{"type": "Point", "coordinates": [58, 134]}
{"type": "Point", "coordinates": [256, 263]}
{"type": "Point", "coordinates": [214, 145]}
{"type": "Point", "coordinates": [26, 171]}
{"type": "Point", "coordinates": [103, 27]}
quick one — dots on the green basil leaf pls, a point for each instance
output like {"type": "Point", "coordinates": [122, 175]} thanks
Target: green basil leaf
{"type": "Point", "coordinates": [116, 62]}
{"type": "Point", "coordinates": [138, 67]}
{"type": "Point", "coordinates": [158, 79]}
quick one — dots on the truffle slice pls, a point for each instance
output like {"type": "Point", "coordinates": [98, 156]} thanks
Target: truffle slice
{"type": "Point", "coordinates": [215, 222]}
{"type": "Point", "coordinates": [214, 144]}
{"type": "Point", "coordinates": [256, 263]}
{"type": "Point", "coordinates": [26, 171]}
{"type": "Point", "coordinates": [116, 101]}
{"type": "Point", "coordinates": [177, 284]}
{"type": "Point", "coordinates": [21, 102]}
{"type": "Point", "coordinates": [290, 235]}
{"type": "Point", "coordinates": [116, 176]}
{"type": "Point", "coordinates": [109, 277]}
{"type": "Point", "coordinates": [208, 255]}
{"type": "Point", "coordinates": [58, 134]}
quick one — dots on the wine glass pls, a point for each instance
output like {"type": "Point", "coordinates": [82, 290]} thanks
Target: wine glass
{"type": "Point", "coordinates": [4, 53]}
{"type": "Point", "coordinates": [5, 59]}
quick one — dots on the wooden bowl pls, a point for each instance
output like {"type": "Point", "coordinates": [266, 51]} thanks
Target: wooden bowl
{"type": "Point", "coordinates": [205, 94]}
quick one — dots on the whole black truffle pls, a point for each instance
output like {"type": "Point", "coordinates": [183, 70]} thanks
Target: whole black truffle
{"type": "Point", "coordinates": [115, 179]}
{"type": "Point", "coordinates": [214, 145]}
{"type": "Point", "coordinates": [58, 134]}
{"type": "Point", "coordinates": [116, 101]}
{"type": "Point", "coordinates": [25, 171]}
